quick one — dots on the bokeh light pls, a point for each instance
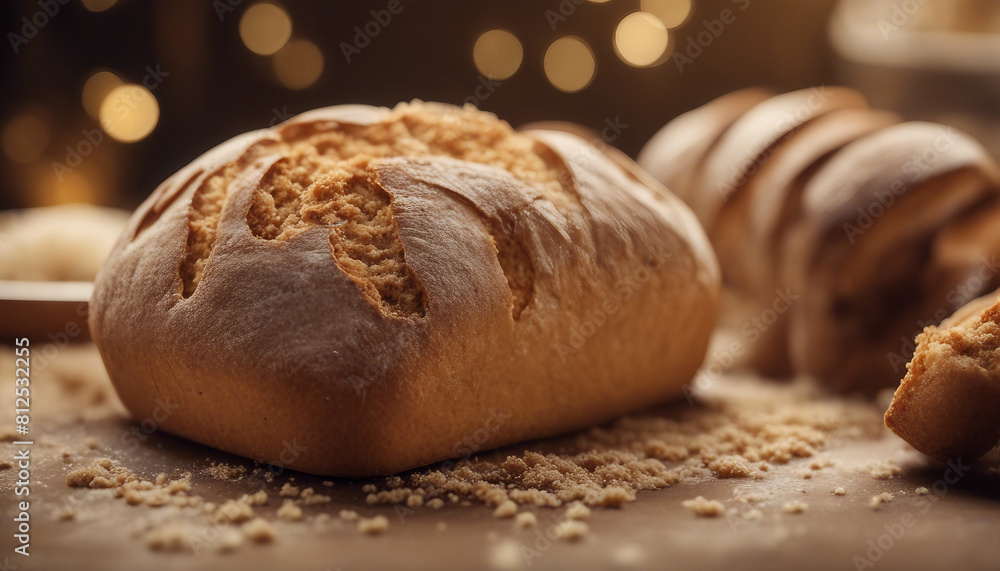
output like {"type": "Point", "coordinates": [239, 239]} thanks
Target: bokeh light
{"type": "Point", "coordinates": [498, 54]}
{"type": "Point", "coordinates": [641, 40]}
{"type": "Point", "coordinates": [569, 64]}
{"type": "Point", "coordinates": [672, 13]}
{"type": "Point", "coordinates": [265, 28]}
{"type": "Point", "coordinates": [129, 113]}
{"type": "Point", "coordinates": [24, 138]}
{"type": "Point", "coordinates": [299, 64]}
{"type": "Point", "coordinates": [98, 5]}
{"type": "Point", "coordinates": [96, 90]}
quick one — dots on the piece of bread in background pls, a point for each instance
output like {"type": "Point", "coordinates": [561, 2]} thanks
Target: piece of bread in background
{"type": "Point", "coordinates": [57, 243]}
{"type": "Point", "coordinates": [383, 287]}
{"type": "Point", "coordinates": [946, 406]}
{"type": "Point", "coordinates": [832, 213]}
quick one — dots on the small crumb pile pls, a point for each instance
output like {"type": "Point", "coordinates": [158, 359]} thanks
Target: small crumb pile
{"type": "Point", "coordinates": [703, 507]}
{"type": "Point", "coordinates": [795, 507]}
{"type": "Point", "coordinates": [725, 437]}
{"type": "Point", "coordinates": [880, 499]}
{"type": "Point", "coordinates": [108, 474]}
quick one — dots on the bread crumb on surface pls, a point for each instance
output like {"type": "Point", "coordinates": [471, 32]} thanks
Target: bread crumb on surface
{"type": "Point", "coordinates": [373, 526]}
{"type": "Point", "coordinates": [327, 483]}
{"type": "Point", "coordinates": [794, 507]}
{"type": "Point", "coordinates": [90, 442]}
{"type": "Point", "coordinates": [101, 473]}
{"type": "Point", "coordinates": [885, 470]}
{"type": "Point", "coordinates": [922, 491]}
{"type": "Point", "coordinates": [288, 491]}
{"type": "Point", "coordinates": [702, 507]}
{"type": "Point", "coordinates": [879, 499]}
{"type": "Point", "coordinates": [572, 530]}
{"type": "Point", "coordinates": [435, 503]}
{"type": "Point", "coordinates": [172, 537]}
{"type": "Point", "coordinates": [348, 515]}
{"type": "Point", "coordinates": [233, 511]}
{"type": "Point", "coordinates": [506, 509]}
{"type": "Point", "coordinates": [578, 511]}
{"type": "Point", "coordinates": [309, 497]}
{"type": "Point", "coordinates": [525, 520]}
{"type": "Point", "coordinates": [259, 530]}
{"type": "Point", "coordinates": [258, 498]}
{"type": "Point", "coordinates": [839, 491]}
{"type": "Point", "coordinates": [290, 511]}
{"type": "Point", "coordinates": [369, 488]}
{"type": "Point", "coordinates": [225, 472]}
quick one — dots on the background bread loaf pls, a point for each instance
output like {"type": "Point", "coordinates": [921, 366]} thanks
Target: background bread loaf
{"type": "Point", "coordinates": [373, 288]}
{"type": "Point", "coordinates": [873, 227]}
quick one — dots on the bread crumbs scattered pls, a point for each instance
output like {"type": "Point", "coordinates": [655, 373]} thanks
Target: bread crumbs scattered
{"type": "Point", "coordinates": [348, 515]}
{"type": "Point", "coordinates": [416, 501]}
{"type": "Point", "coordinates": [233, 511]}
{"type": "Point", "coordinates": [226, 472]}
{"type": "Point", "coordinates": [102, 473]}
{"type": "Point", "coordinates": [327, 483]}
{"type": "Point", "coordinates": [795, 507]}
{"type": "Point", "coordinates": [311, 498]}
{"type": "Point", "coordinates": [259, 530]}
{"type": "Point", "coordinates": [839, 491]}
{"type": "Point", "coordinates": [6, 465]}
{"type": "Point", "coordinates": [731, 434]}
{"type": "Point", "coordinates": [702, 507]}
{"type": "Point", "coordinates": [506, 509]}
{"type": "Point", "coordinates": [572, 530]}
{"type": "Point", "coordinates": [922, 491]}
{"type": "Point", "coordinates": [173, 537]}
{"type": "Point", "coordinates": [752, 514]}
{"type": "Point", "coordinates": [373, 526]}
{"type": "Point", "coordinates": [435, 504]}
{"type": "Point", "coordinates": [288, 491]}
{"type": "Point", "coordinates": [290, 511]}
{"type": "Point", "coordinates": [883, 470]}
{"type": "Point", "coordinates": [258, 498]}
{"type": "Point", "coordinates": [578, 511]}
{"type": "Point", "coordinates": [525, 520]}
{"type": "Point", "coordinates": [880, 499]}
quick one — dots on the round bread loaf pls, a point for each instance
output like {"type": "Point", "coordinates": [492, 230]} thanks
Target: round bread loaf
{"type": "Point", "coordinates": [360, 291]}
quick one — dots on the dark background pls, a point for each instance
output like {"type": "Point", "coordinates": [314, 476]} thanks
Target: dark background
{"type": "Point", "coordinates": [218, 88]}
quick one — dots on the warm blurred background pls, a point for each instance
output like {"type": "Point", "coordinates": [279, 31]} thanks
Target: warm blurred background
{"type": "Point", "coordinates": [103, 99]}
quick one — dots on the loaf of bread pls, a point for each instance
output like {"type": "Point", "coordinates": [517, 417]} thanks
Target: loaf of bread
{"type": "Point", "coordinates": [946, 406]}
{"type": "Point", "coordinates": [849, 230]}
{"type": "Point", "coordinates": [360, 291]}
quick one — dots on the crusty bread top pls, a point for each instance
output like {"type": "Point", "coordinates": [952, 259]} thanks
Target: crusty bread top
{"type": "Point", "coordinates": [324, 179]}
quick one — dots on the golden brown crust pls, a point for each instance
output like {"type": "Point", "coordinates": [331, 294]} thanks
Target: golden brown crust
{"type": "Point", "coordinates": [279, 353]}
{"type": "Point", "coordinates": [947, 404]}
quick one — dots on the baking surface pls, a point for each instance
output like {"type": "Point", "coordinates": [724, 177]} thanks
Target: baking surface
{"type": "Point", "coordinates": [78, 420]}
